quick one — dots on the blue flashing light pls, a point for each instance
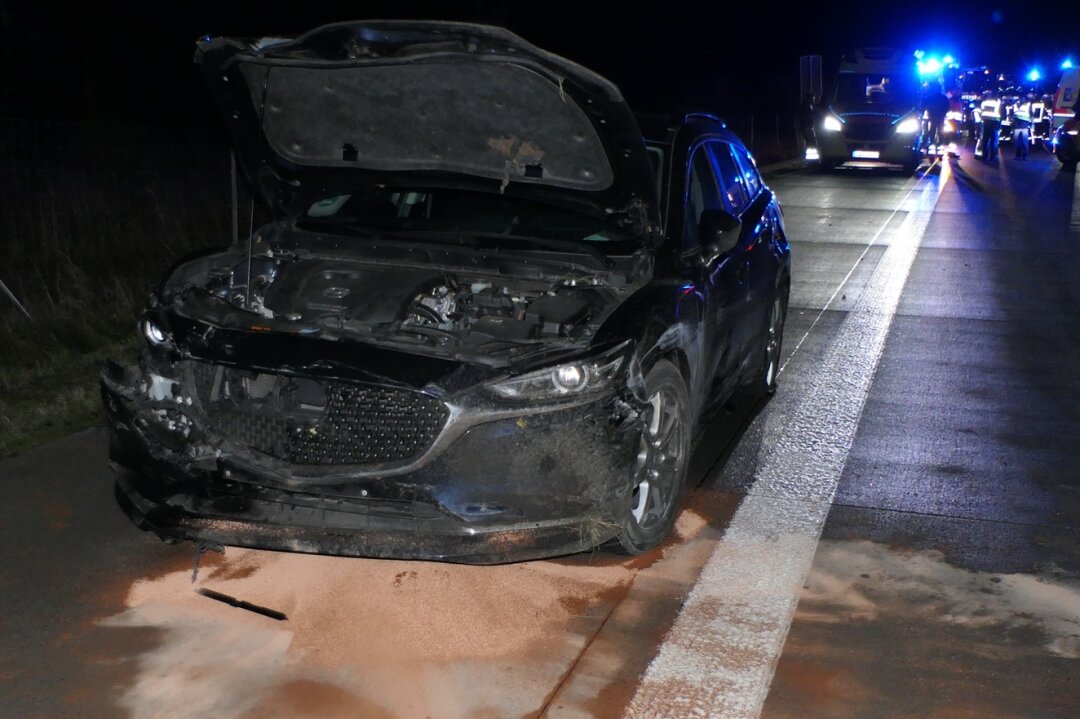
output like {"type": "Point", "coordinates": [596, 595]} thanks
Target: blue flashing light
{"type": "Point", "coordinates": [1034, 75]}
{"type": "Point", "coordinates": [949, 60]}
{"type": "Point", "coordinates": [1067, 64]}
{"type": "Point", "coordinates": [929, 66]}
{"type": "Point", "coordinates": [919, 54]}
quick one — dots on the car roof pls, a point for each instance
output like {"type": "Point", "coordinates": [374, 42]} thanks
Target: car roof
{"type": "Point", "coordinates": [662, 129]}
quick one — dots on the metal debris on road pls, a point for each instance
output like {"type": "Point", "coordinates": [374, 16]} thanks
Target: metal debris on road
{"type": "Point", "coordinates": [202, 548]}
{"type": "Point", "coordinates": [241, 604]}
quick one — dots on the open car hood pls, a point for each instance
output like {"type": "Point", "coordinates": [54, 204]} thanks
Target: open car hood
{"type": "Point", "coordinates": [423, 101]}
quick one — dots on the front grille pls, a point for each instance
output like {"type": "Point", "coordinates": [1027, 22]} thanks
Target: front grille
{"type": "Point", "coordinates": [308, 421]}
{"type": "Point", "coordinates": [861, 131]}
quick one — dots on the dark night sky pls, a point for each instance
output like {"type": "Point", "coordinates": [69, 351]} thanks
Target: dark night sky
{"type": "Point", "coordinates": [133, 66]}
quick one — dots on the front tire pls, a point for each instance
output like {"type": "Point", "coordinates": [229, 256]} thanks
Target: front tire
{"type": "Point", "coordinates": [659, 478]}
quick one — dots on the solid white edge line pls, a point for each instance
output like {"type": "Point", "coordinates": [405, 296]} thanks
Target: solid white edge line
{"type": "Point", "coordinates": [719, 656]}
{"type": "Point", "coordinates": [850, 272]}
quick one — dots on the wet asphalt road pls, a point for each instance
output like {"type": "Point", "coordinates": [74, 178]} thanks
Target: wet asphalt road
{"type": "Point", "coordinates": [946, 582]}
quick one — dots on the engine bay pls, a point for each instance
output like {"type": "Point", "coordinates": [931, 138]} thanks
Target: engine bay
{"type": "Point", "coordinates": [354, 296]}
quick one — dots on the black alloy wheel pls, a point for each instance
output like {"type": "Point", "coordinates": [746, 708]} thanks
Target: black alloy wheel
{"type": "Point", "coordinates": [659, 477]}
{"type": "Point", "coordinates": [763, 381]}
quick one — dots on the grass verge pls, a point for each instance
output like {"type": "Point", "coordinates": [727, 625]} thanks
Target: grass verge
{"type": "Point", "coordinates": [92, 217]}
{"type": "Point", "coordinates": [49, 374]}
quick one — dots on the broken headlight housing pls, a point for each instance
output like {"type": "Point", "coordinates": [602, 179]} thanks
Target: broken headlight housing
{"type": "Point", "coordinates": [565, 380]}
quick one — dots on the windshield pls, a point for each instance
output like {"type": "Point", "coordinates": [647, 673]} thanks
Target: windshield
{"type": "Point", "coordinates": [456, 212]}
{"type": "Point", "coordinates": [854, 88]}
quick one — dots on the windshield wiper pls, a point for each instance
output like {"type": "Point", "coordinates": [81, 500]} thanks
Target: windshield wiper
{"type": "Point", "coordinates": [567, 245]}
{"type": "Point", "coordinates": [464, 238]}
{"type": "Point", "coordinates": [308, 223]}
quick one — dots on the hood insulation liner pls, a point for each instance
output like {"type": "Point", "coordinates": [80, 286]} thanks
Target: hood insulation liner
{"type": "Point", "coordinates": [495, 120]}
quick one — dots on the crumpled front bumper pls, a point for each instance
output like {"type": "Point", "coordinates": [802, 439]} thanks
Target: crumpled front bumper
{"type": "Point", "coordinates": [540, 481]}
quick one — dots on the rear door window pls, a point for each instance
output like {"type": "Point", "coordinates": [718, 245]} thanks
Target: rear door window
{"type": "Point", "coordinates": [732, 185]}
{"type": "Point", "coordinates": [749, 171]}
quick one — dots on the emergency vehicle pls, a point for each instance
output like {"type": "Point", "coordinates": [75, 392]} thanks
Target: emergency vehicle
{"type": "Point", "coordinates": [1066, 97]}
{"type": "Point", "coordinates": [1066, 134]}
{"type": "Point", "coordinates": [873, 116]}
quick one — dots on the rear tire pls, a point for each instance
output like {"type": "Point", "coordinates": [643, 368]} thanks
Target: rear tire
{"type": "Point", "coordinates": [659, 478]}
{"type": "Point", "coordinates": [763, 382]}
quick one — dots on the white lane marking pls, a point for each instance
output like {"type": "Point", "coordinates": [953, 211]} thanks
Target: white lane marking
{"type": "Point", "coordinates": [1074, 221]}
{"type": "Point", "coordinates": [719, 657]}
{"type": "Point", "coordinates": [858, 261]}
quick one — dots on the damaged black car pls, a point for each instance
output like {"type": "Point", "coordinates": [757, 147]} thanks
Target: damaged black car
{"type": "Point", "coordinates": [487, 320]}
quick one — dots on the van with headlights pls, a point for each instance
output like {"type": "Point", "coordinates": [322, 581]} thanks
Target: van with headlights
{"type": "Point", "coordinates": [873, 116]}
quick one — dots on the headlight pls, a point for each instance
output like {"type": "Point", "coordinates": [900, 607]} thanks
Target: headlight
{"type": "Point", "coordinates": [949, 127]}
{"type": "Point", "coordinates": [832, 124]}
{"type": "Point", "coordinates": [908, 126]}
{"type": "Point", "coordinates": [572, 378]}
{"type": "Point", "coordinates": [154, 334]}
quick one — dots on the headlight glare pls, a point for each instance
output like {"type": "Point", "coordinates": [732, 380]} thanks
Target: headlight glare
{"type": "Point", "coordinates": [565, 380]}
{"type": "Point", "coordinates": [832, 124]}
{"type": "Point", "coordinates": [153, 334]}
{"type": "Point", "coordinates": [571, 378]}
{"type": "Point", "coordinates": [908, 127]}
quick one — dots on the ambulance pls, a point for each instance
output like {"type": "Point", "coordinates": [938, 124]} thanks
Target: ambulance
{"type": "Point", "coordinates": [1068, 93]}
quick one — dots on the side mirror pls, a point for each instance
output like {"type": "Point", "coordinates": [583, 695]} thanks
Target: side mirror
{"type": "Point", "coordinates": [719, 233]}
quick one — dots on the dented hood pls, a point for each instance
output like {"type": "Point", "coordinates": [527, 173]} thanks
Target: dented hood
{"type": "Point", "coordinates": [454, 103]}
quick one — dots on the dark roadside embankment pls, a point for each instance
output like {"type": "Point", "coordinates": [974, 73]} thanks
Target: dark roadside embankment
{"type": "Point", "coordinates": [92, 216]}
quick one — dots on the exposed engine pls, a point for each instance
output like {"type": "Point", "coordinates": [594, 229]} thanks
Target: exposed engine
{"type": "Point", "coordinates": [485, 311]}
{"type": "Point", "coordinates": [365, 298]}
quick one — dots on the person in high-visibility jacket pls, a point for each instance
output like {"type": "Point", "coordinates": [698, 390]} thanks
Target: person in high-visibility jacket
{"type": "Point", "coordinates": [1022, 128]}
{"type": "Point", "coordinates": [990, 113]}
